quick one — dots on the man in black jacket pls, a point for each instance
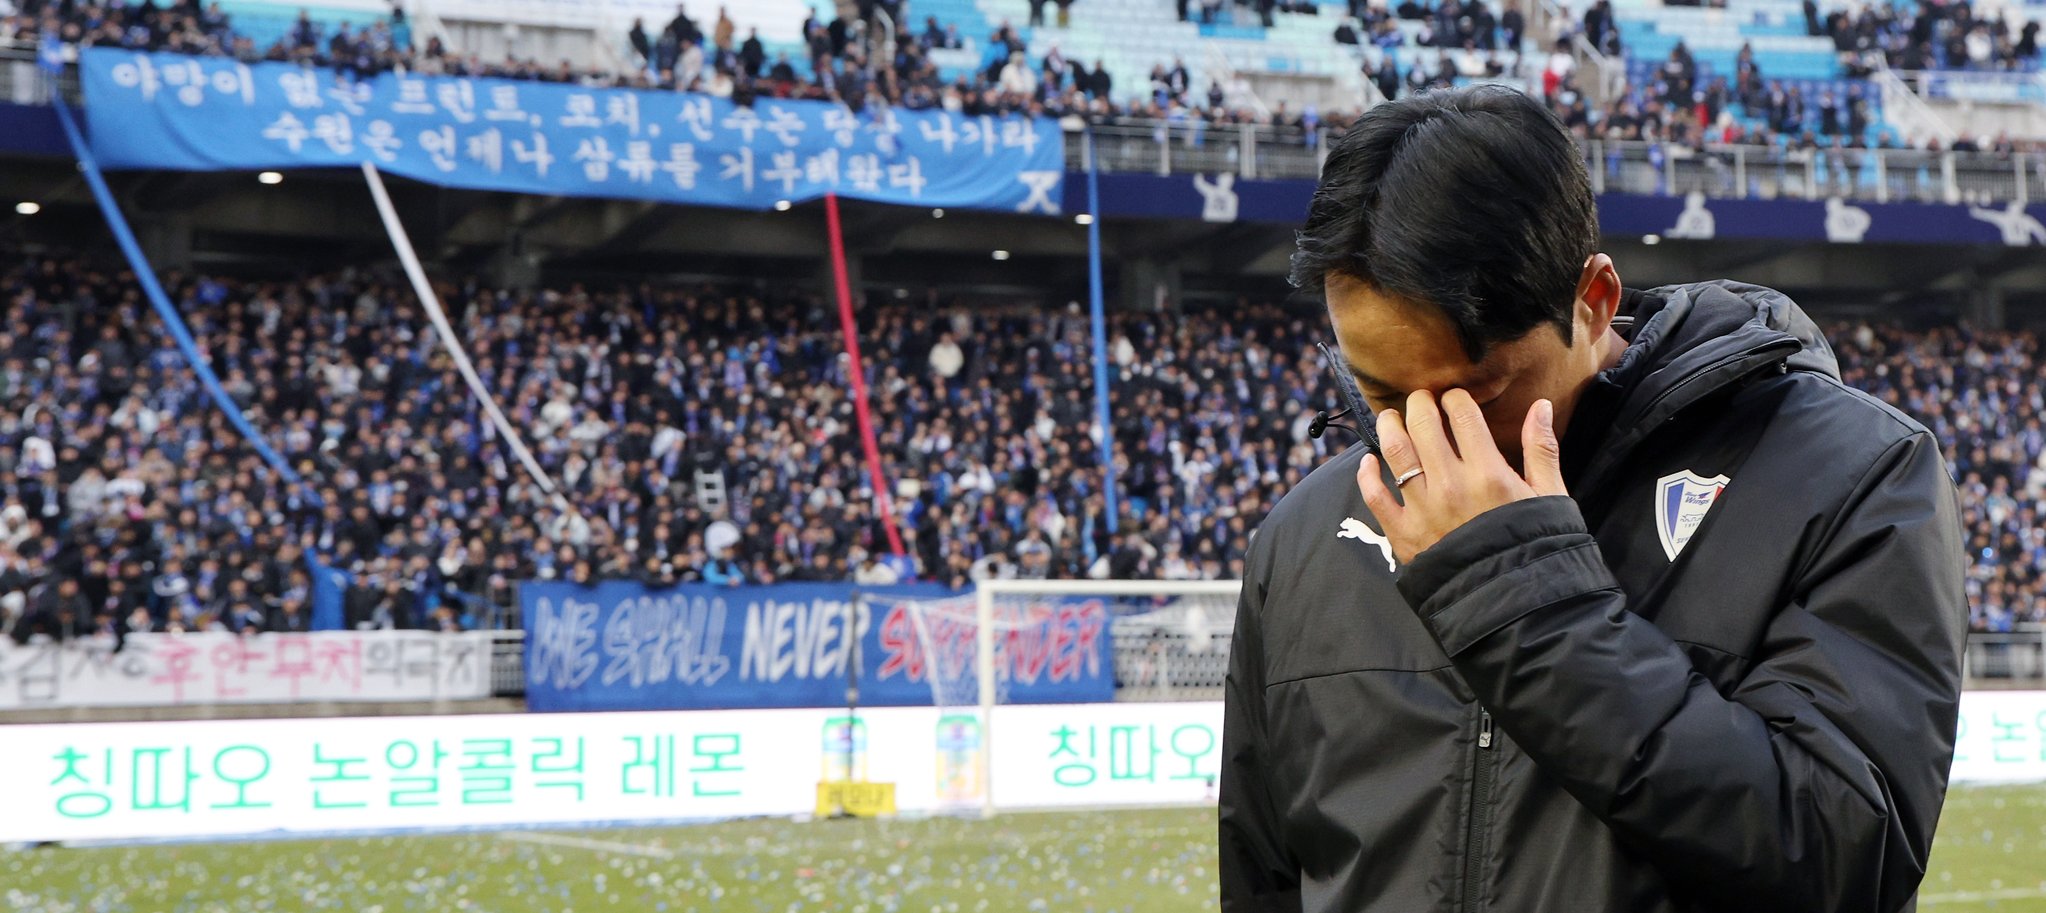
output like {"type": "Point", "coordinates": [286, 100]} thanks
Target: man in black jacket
{"type": "Point", "coordinates": [752, 54]}
{"type": "Point", "coordinates": [641, 45]}
{"type": "Point", "coordinates": [1701, 653]}
{"type": "Point", "coordinates": [58, 611]}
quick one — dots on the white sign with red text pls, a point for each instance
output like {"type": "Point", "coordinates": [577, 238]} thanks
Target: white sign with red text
{"type": "Point", "coordinates": [159, 670]}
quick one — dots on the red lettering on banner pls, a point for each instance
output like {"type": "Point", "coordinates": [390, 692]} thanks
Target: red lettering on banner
{"type": "Point", "coordinates": [340, 661]}
{"type": "Point", "coordinates": [1056, 643]}
{"type": "Point", "coordinates": [294, 654]}
{"type": "Point", "coordinates": [1087, 646]}
{"type": "Point", "coordinates": [1063, 662]}
{"type": "Point", "coordinates": [957, 643]}
{"type": "Point", "coordinates": [1026, 648]}
{"type": "Point", "coordinates": [177, 668]}
{"type": "Point", "coordinates": [900, 649]}
{"type": "Point", "coordinates": [233, 657]}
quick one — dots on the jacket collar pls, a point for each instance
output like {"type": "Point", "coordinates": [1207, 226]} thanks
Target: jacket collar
{"type": "Point", "coordinates": [1695, 342]}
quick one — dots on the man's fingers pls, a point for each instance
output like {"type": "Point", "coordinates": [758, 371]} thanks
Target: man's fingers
{"type": "Point", "coordinates": [1424, 428]}
{"type": "Point", "coordinates": [1371, 484]}
{"type": "Point", "coordinates": [1541, 452]}
{"type": "Point", "coordinates": [1393, 442]}
{"type": "Point", "coordinates": [1467, 425]}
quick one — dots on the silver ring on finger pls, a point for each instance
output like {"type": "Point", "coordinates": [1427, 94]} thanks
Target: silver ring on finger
{"type": "Point", "coordinates": [1403, 478]}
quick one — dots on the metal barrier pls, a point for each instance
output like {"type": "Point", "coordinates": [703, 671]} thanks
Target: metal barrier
{"type": "Point", "coordinates": [508, 663]}
{"type": "Point", "coordinates": [2014, 658]}
{"type": "Point", "coordinates": [1168, 664]}
{"type": "Point", "coordinates": [1654, 169]}
{"type": "Point", "coordinates": [1757, 172]}
{"type": "Point", "coordinates": [24, 82]}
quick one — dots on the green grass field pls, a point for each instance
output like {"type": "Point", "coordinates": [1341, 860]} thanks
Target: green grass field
{"type": "Point", "coordinates": [1991, 855]}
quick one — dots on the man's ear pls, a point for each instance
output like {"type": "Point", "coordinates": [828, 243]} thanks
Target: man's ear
{"type": "Point", "coordinates": [1598, 296]}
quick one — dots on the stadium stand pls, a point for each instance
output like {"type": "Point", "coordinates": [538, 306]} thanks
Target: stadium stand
{"type": "Point", "coordinates": [115, 473]}
{"type": "Point", "coordinates": [1746, 74]}
{"type": "Point", "coordinates": [1802, 41]}
{"type": "Point", "coordinates": [1773, 28]}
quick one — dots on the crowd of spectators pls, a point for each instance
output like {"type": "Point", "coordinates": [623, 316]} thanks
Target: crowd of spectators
{"type": "Point", "coordinates": [1982, 394]}
{"type": "Point", "coordinates": [717, 58]}
{"type": "Point", "coordinates": [1678, 105]}
{"type": "Point", "coordinates": [186, 27]}
{"type": "Point", "coordinates": [1685, 111]}
{"type": "Point", "coordinates": [1471, 41]}
{"type": "Point", "coordinates": [847, 59]}
{"type": "Point", "coordinates": [1209, 12]}
{"type": "Point", "coordinates": [118, 474]}
{"type": "Point", "coordinates": [128, 502]}
{"type": "Point", "coordinates": [1933, 36]}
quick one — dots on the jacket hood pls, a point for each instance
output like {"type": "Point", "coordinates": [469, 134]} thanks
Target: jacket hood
{"type": "Point", "coordinates": [1695, 315]}
{"type": "Point", "coordinates": [1696, 340]}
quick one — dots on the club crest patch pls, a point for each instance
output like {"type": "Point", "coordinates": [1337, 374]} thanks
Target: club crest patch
{"type": "Point", "coordinates": [1681, 502]}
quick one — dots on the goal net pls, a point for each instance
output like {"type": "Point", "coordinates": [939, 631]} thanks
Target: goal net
{"type": "Point", "coordinates": [1021, 640]}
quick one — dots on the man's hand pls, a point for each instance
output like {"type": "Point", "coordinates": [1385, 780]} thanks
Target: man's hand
{"type": "Point", "coordinates": [1462, 473]}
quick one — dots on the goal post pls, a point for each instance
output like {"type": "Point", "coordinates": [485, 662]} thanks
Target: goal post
{"type": "Point", "coordinates": [1188, 609]}
{"type": "Point", "coordinates": [1157, 640]}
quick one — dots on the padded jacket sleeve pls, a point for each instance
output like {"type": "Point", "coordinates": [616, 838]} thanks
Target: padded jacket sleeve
{"type": "Point", "coordinates": [1811, 785]}
{"type": "Point", "coordinates": [1257, 873]}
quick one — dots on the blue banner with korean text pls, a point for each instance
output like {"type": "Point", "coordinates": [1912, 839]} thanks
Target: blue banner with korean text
{"type": "Point", "coordinates": [170, 111]}
{"type": "Point", "coordinates": [618, 645]}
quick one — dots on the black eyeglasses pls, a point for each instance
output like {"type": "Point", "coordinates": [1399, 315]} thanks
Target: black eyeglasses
{"type": "Point", "coordinates": [1362, 423]}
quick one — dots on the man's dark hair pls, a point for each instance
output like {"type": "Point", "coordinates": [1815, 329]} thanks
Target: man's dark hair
{"type": "Point", "coordinates": [1474, 200]}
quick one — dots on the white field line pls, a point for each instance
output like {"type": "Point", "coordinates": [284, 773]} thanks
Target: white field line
{"type": "Point", "coordinates": [671, 852]}
{"type": "Point", "coordinates": [584, 843]}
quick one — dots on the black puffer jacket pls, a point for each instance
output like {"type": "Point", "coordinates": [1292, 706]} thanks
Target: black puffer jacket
{"type": "Point", "coordinates": [1723, 675]}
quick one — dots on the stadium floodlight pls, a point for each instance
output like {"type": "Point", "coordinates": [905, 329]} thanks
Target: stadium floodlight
{"type": "Point", "coordinates": [1001, 255]}
{"type": "Point", "coordinates": [28, 207]}
{"type": "Point", "coordinates": [271, 177]}
{"type": "Point", "coordinates": [937, 213]}
{"type": "Point", "coordinates": [1651, 239]}
{"type": "Point", "coordinates": [1083, 219]}
{"type": "Point", "coordinates": [782, 205]}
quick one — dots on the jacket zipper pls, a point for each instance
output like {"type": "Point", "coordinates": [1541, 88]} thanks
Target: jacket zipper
{"type": "Point", "coordinates": [1476, 823]}
{"type": "Point", "coordinates": [1757, 353]}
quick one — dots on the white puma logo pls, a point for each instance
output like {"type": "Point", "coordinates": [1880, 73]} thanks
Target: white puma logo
{"type": "Point", "coordinates": [1354, 528]}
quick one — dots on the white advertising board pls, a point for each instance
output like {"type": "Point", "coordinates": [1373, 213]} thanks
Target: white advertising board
{"type": "Point", "coordinates": [2002, 737]}
{"type": "Point", "coordinates": [217, 778]}
{"type": "Point", "coordinates": [205, 778]}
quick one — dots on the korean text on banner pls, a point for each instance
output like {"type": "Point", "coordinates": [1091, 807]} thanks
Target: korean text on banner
{"type": "Point", "coordinates": [124, 781]}
{"type": "Point", "coordinates": [620, 646]}
{"type": "Point", "coordinates": [157, 670]}
{"type": "Point", "coordinates": [187, 113]}
{"type": "Point", "coordinates": [78, 781]}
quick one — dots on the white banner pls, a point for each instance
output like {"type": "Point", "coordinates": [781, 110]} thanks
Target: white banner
{"type": "Point", "coordinates": [207, 778]}
{"type": "Point", "coordinates": [1115, 754]}
{"type": "Point", "coordinates": [2002, 737]}
{"type": "Point", "coordinates": [219, 778]}
{"type": "Point", "coordinates": [218, 668]}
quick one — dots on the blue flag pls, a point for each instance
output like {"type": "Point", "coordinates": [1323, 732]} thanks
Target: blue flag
{"type": "Point", "coordinates": [50, 53]}
{"type": "Point", "coordinates": [330, 588]}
